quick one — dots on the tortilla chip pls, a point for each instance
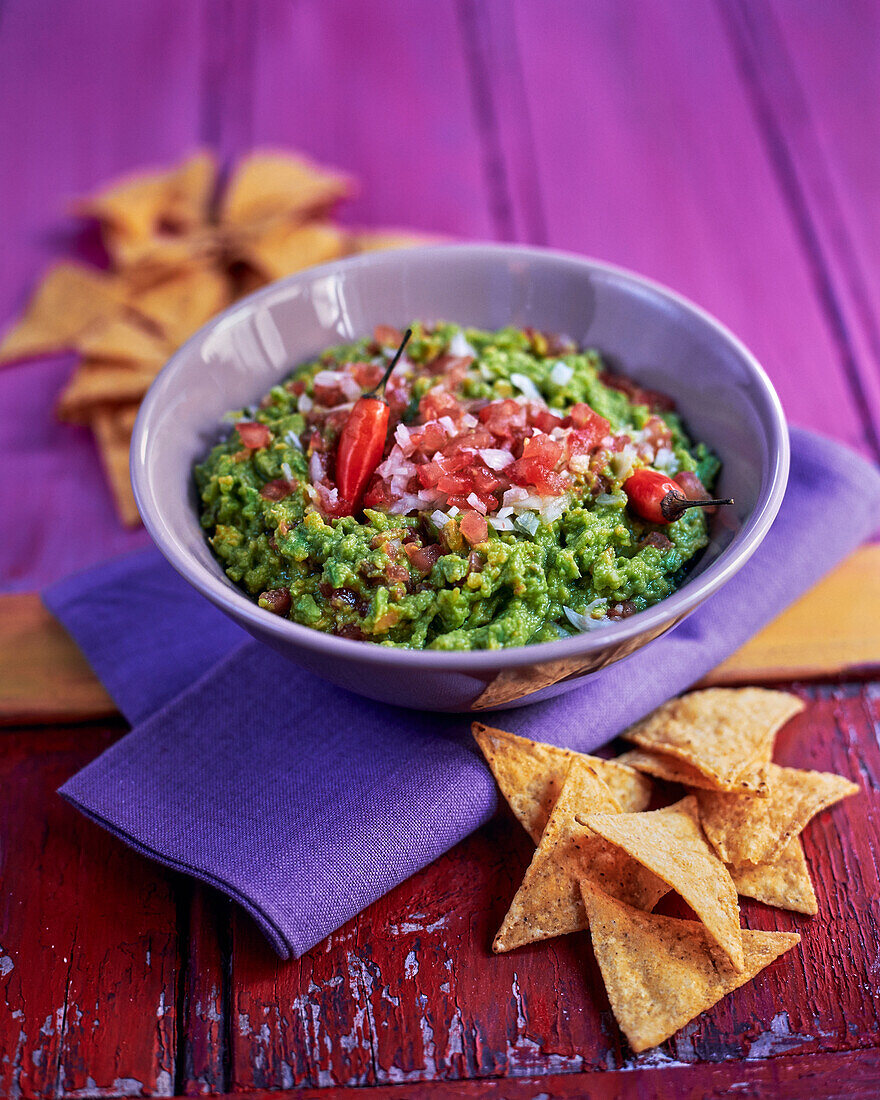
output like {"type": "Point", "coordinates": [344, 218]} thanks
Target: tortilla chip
{"type": "Point", "coordinates": [531, 773]}
{"type": "Point", "coordinates": [744, 829]}
{"type": "Point", "coordinates": [113, 426]}
{"type": "Point", "coordinates": [784, 883]}
{"type": "Point", "coordinates": [100, 383]}
{"type": "Point", "coordinates": [68, 301]}
{"type": "Point", "coordinates": [548, 903]}
{"type": "Point", "coordinates": [145, 204]}
{"type": "Point", "coordinates": [123, 339]}
{"type": "Point", "coordinates": [674, 770]}
{"type": "Point", "coordinates": [265, 185]}
{"type": "Point", "coordinates": [146, 260]}
{"type": "Point", "coordinates": [660, 972]}
{"type": "Point", "coordinates": [284, 248]}
{"type": "Point", "coordinates": [184, 302]}
{"type": "Point", "coordinates": [670, 843]}
{"type": "Point", "coordinates": [722, 732]}
{"type": "Point", "coordinates": [379, 240]}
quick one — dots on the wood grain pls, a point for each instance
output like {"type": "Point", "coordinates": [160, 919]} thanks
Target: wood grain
{"type": "Point", "coordinates": [640, 141]}
{"type": "Point", "coordinates": [409, 991]}
{"type": "Point", "coordinates": [834, 630]}
{"type": "Point", "coordinates": [89, 963]}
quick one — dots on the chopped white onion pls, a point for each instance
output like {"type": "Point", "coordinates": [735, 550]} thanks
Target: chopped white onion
{"type": "Point", "coordinates": [453, 511]}
{"type": "Point", "coordinates": [617, 499]}
{"type": "Point", "coordinates": [447, 424]}
{"type": "Point", "coordinates": [328, 378]}
{"type": "Point", "coordinates": [495, 458]}
{"type": "Point", "coordinates": [528, 522]}
{"type": "Point", "coordinates": [286, 470]}
{"type": "Point", "coordinates": [665, 461]}
{"type": "Point", "coordinates": [561, 374]}
{"type": "Point", "coordinates": [459, 346]}
{"type": "Point", "coordinates": [528, 387]}
{"type": "Point", "coordinates": [475, 503]}
{"type": "Point", "coordinates": [585, 622]}
{"type": "Point", "coordinates": [349, 387]}
{"type": "Point", "coordinates": [292, 439]}
{"type": "Point", "coordinates": [500, 524]}
{"type": "Point", "coordinates": [305, 403]}
{"type": "Point", "coordinates": [439, 519]}
{"type": "Point", "coordinates": [402, 436]}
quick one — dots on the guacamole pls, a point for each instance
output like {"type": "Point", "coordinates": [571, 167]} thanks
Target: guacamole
{"type": "Point", "coordinates": [496, 515]}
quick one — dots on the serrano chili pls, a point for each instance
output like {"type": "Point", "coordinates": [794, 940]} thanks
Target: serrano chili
{"type": "Point", "coordinates": [363, 438]}
{"type": "Point", "coordinates": [656, 498]}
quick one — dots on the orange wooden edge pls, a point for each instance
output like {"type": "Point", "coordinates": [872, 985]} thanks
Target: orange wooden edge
{"type": "Point", "coordinates": [833, 630]}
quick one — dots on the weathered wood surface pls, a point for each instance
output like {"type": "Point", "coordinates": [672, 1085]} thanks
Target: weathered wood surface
{"type": "Point", "coordinates": [722, 146]}
{"type": "Point", "coordinates": [90, 960]}
{"type": "Point", "coordinates": [117, 978]}
{"type": "Point", "coordinates": [834, 630]}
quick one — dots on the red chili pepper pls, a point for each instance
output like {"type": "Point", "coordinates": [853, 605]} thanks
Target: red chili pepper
{"type": "Point", "coordinates": [363, 438]}
{"type": "Point", "coordinates": [656, 498]}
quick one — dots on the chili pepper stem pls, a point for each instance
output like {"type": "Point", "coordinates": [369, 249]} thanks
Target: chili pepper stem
{"type": "Point", "coordinates": [374, 392]}
{"type": "Point", "coordinates": [674, 504]}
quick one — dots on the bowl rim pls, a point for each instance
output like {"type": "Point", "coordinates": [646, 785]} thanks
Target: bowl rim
{"type": "Point", "coordinates": [669, 611]}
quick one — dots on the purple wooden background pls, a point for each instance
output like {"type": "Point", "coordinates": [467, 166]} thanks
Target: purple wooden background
{"type": "Point", "coordinates": [726, 147]}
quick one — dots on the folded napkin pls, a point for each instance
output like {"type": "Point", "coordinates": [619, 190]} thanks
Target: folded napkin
{"type": "Point", "coordinates": [306, 803]}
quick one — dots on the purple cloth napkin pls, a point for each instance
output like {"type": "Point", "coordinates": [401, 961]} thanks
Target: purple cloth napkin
{"type": "Point", "coordinates": [305, 803]}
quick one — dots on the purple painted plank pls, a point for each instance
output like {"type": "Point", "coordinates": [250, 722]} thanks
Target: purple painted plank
{"type": "Point", "coordinates": [96, 89]}
{"type": "Point", "coordinates": [647, 154]}
{"type": "Point", "coordinates": [380, 89]}
{"type": "Point", "coordinates": [815, 74]}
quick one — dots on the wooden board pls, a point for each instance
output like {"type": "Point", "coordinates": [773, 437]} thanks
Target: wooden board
{"type": "Point", "coordinates": [834, 630]}
{"type": "Point", "coordinates": [189, 998]}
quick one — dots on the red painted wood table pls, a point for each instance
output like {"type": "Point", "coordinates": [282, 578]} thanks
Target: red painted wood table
{"type": "Point", "coordinates": [726, 147]}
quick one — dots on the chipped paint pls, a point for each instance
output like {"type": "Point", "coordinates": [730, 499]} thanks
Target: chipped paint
{"type": "Point", "coordinates": [411, 965]}
{"type": "Point", "coordinates": [778, 1039]}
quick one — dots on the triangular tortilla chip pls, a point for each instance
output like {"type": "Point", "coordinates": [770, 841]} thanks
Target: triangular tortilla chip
{"type": "Point", "coordinates": [674, 770]}
{"type": "Point", "coordinates": [113, 426]}
{"type": "Point", "coordinates": [283, 248]}
{"type": "Point", "coordinates": [267, 184]}
{"type": "Point", "coordinates": [145, 260]}
{"type": "Point", "coordinates": [123, 339]}
{"type": "Point", "coordinates": [531, 773]}
{"type": "Point", "coordinates": [184, 302]}
{"type": "Point", "coordinates": [69, 300]}
{"type": "Point", "coordinates": [723, 732]}
{"type": "Point", "coordinates": [784, 883]}
{"type": "Point", "coordinates": [744, 829]}
{"type": "Point", "coordinates": [378, 240]}
{"type": "Point", "coordinates": [660, 971]}
{"type": "Point", "coordinates": [101, 382]}
{"type": "Point", "coordinates": [548, 903]}
{"type": "Point", "coordinates": [143, 204]}
{"type": "Point", "coordinates": [670, 843]}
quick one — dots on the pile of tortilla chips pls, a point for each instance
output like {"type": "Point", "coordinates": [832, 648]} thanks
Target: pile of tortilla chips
{"type": "Point", "coordinates": [604, 860]}
{"type": "Point", "coordinates": [181, 248]}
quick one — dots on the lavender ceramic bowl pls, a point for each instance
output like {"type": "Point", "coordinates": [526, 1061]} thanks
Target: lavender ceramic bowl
{"type": "Point", "coordinates": [652, 334]}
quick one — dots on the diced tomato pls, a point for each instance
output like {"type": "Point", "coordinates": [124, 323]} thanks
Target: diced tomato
{"type": "Point", "coordinates": [279, 489]}
{"type": "Point", "coordinates": [378, 495]}
{"type": "Point", "coordinates": [485, 481]}
{"type": "Point", "coordinates": [297, 387]}
{"type": "Point", "coordinates": [387, 336]}
{"type": "Point", "coordinates": [437, 403]}
{"type": "Point", "coordinates": [328, 396]}
{"type": "Point", "coordinates": [474, 440]}
{"type": "Point", "coordinates": [429, 438]}
{"type": "Point", "coordinates": [691, 485]}
{"type": "Point", "coordinates": [504, 419]}
{"type": "Point", "coordinates": [474, 528]}
{"type": "Point", "coordinates": [450, 483]}
{"type": "Point", "coordinates": [423, 558]}
{"type": "Point", "coordinates": [544, 419]}
{"type": "Point", "coordinates": [253, 436]}
{"type": "Point", "coordinates": [366, 375]}
{"type": "Point", "coordinates": [585, 419]}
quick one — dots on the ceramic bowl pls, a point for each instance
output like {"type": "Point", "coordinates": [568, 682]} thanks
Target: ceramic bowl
{"type": "Point", "coordinates": [650, 333]}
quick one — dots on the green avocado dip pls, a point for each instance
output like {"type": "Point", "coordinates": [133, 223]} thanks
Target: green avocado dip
{"type": "Point", "coordinates": [496, 515]}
